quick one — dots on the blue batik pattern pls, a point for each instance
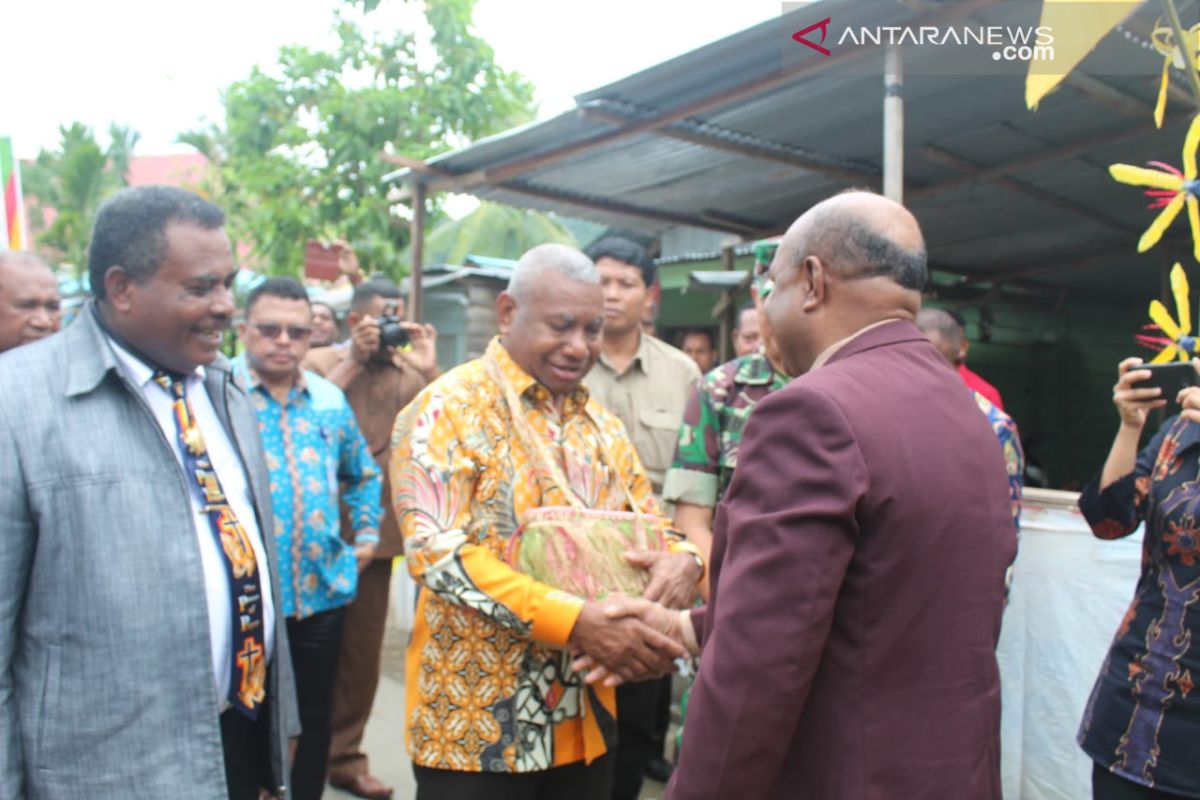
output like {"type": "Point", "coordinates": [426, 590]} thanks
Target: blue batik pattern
{"type": "Point", "coordinates": [316, 455]}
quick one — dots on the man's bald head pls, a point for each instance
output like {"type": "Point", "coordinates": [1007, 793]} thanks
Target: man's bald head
{"type": "Point", "coordinates": [30, 306]}
{"type": "Point", "coordinates": [943, 332]}
{"type": "Point", "coordinates": [863, 235]}
{"type": "Point", "coordinates": [851, 261]}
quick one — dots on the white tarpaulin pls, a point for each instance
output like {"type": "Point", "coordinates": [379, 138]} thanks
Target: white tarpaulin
{"type": "Point", "coordinates": [1068, 595]}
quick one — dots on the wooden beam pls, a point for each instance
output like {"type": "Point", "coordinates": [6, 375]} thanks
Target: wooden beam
{"type": "Point", "coordinates": [720, 217]}
{"type": "Point", "coordinates": [1112, 98]}
{"type": "Point", "coordinates": [626, 209]}
{"type": "Point", "coordinates": [728, 262]}
{"type": "Point", "coordinates": [439, 179]}
{"type": "Point", "coordinates": [893, 124]}
{"type": "Point", "coordinates": [1072, 262]}
{"type": "Point", "coordinates": [1081, 147]}
{"type": "Point", "coordinates": [1062, 263]}
{"type": "Point", "coordinates": [401, 160]}
{"type": "Point", "coordinates": [967, 279]}
{"type": "Point", "coordinates": [1050, 199]}
{"type": "Point", "coordinates": [417, 249]}
{"type": "Point", "coordinates": [1175, 93]}
{"type": "Point", "coordinates": [724, 224]}
{"type": "Point", "coordinates": [505, 171]}
{"type": "Point", "coordinates": [780, 156]}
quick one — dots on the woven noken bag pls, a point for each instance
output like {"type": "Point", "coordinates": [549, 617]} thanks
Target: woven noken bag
{"type": "Point", "coordinates": [574, 548]}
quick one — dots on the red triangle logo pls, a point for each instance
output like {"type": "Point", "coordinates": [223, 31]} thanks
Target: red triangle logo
{"type": "Point", "coordinates": [823, 25]}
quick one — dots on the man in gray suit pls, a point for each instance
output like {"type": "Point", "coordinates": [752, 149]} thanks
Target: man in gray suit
{"type": "Point", "coordinates": [141, 655]}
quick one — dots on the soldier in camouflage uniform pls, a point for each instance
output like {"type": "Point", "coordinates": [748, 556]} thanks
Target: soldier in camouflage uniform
{"type": "Point", "coordinates": [713, 424]}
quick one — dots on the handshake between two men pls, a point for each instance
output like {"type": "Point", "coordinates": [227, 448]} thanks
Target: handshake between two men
{"type": "Point", "coordinates": [624, 639]}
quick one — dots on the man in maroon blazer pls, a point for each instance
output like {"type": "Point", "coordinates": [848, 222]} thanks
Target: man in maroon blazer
{"type": "Point", "coordinates": [859, 555]}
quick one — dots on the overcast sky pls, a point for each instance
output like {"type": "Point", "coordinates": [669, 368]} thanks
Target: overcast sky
{"type": "Point", "coordinates": [158, 66]}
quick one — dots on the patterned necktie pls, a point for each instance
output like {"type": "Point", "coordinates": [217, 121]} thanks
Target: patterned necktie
{"type": "Point", "coordinates": [247, 690]}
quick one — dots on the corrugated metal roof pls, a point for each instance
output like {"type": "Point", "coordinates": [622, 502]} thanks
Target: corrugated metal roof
{"type": "Point", "coordinates": [1043, 219]}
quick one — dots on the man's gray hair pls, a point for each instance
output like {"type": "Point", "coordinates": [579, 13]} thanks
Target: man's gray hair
{"type": "Point", "coordinates": [545, 258]}
{"type": "Point", "coordinates": [21, 257]}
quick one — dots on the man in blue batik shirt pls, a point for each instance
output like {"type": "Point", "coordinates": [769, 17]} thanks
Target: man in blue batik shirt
{"type": "Point", "coordinates": [315, 451]}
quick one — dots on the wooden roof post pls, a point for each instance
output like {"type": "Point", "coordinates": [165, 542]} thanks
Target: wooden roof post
{"type": "Point", "coordinates": [893, 125]}
{"type": "Point", "coordinates": [727, 317]}
{"type": "Point", "coordinates": [417, 240]}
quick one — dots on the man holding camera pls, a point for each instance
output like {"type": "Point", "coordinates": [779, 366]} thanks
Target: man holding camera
{"type": "Point", "coordinates": [380, 373]}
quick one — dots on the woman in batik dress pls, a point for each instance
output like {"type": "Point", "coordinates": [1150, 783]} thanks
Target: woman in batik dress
{"type": "Point", "coordinates": [1141, 726]}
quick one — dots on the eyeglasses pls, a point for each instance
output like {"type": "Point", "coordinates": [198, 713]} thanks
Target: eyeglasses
{"type": "Point", "coordinates": [296, 333]}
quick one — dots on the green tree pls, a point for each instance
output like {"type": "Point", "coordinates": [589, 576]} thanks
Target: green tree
{"type": "Point", "coordinates": [298, 155]}
{"type": "Point", "coordinates": [492, 230]}
{"type": "Point", "coordinates": [69, 184]}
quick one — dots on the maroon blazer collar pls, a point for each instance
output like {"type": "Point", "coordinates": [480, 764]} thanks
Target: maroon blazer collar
{"type": "Point", "coordinates": [889, 333]}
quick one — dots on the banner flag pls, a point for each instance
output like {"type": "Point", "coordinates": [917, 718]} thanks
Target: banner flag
{"type": "Point", "coordinates": [12, 203]}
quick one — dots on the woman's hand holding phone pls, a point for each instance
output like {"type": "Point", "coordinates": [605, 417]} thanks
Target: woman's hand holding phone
{"type": "Point", "coordinates": [1135, 403]}
{"type": "Point", "coordinates": [1189, 398]}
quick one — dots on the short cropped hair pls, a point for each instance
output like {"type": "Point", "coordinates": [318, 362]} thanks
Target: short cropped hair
{"type": "Point", "coordinates": [861, 252]}
{"type": "Point", "coordinates": [130, 230]}
{"type": "Point", "coordinates": [546, 258]}
{"type": "Point", "coordinates": [855, 248]}
{"type": "Point", "coordinates": [943, 321]}
{"type": "Point", "coordinates": [282, 286]}
{"type": "Point", "coordinates": [705, 332]}
{"type": "Point", "coordinates": [627, 252]}
{"type": "Point", "coordinates": [378, 286]}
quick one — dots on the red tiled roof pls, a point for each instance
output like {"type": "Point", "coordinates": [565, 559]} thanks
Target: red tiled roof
{"type": "Point", "coordinates": [185, 171]}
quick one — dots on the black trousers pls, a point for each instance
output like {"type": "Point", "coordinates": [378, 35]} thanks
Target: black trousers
{"type": "Point", "coordinates": [1107, 786]}
{"type": "Point", "coordinates": [315, 642]}
{"type": "Point", "coordinates": [641, 731]}
{"type": "Point", "coordinates": [247, 765]}
{"type": "Point", "coordinates": [662, 717]}
{"type": "Point", "coordinates": [572, 782]}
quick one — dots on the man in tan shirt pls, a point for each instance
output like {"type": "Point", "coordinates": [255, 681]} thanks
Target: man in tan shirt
{"type": "Point", "coordinates": [645, 382]}
{"type": "Point", "coordinates": [378, 382]}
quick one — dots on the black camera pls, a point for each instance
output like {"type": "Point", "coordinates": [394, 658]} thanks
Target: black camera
{"type": "Point", "coordinates": [392, 332]}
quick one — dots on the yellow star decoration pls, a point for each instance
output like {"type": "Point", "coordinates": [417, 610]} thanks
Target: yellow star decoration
{"type": "Point", "coordinates": [1183, 58]}
{"type": "Point", "coordinates": [1181, 343]}
{"type": "Point", "coordinates": [1167, 182]}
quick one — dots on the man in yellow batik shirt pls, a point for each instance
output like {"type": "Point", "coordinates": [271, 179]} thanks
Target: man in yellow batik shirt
{"type": "Point", "coordinates": [494, 708]}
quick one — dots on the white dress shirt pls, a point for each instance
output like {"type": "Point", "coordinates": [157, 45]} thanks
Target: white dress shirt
{"type": "Point", "coordinates": [236, 487]}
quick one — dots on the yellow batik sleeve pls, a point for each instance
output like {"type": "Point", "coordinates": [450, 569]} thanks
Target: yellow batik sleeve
{"type": "Point", "coordinates": [435, 475]}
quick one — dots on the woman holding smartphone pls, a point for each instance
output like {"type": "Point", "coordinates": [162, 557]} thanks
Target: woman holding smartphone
{"type": "Point", "coordinates": [1141, 726]}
